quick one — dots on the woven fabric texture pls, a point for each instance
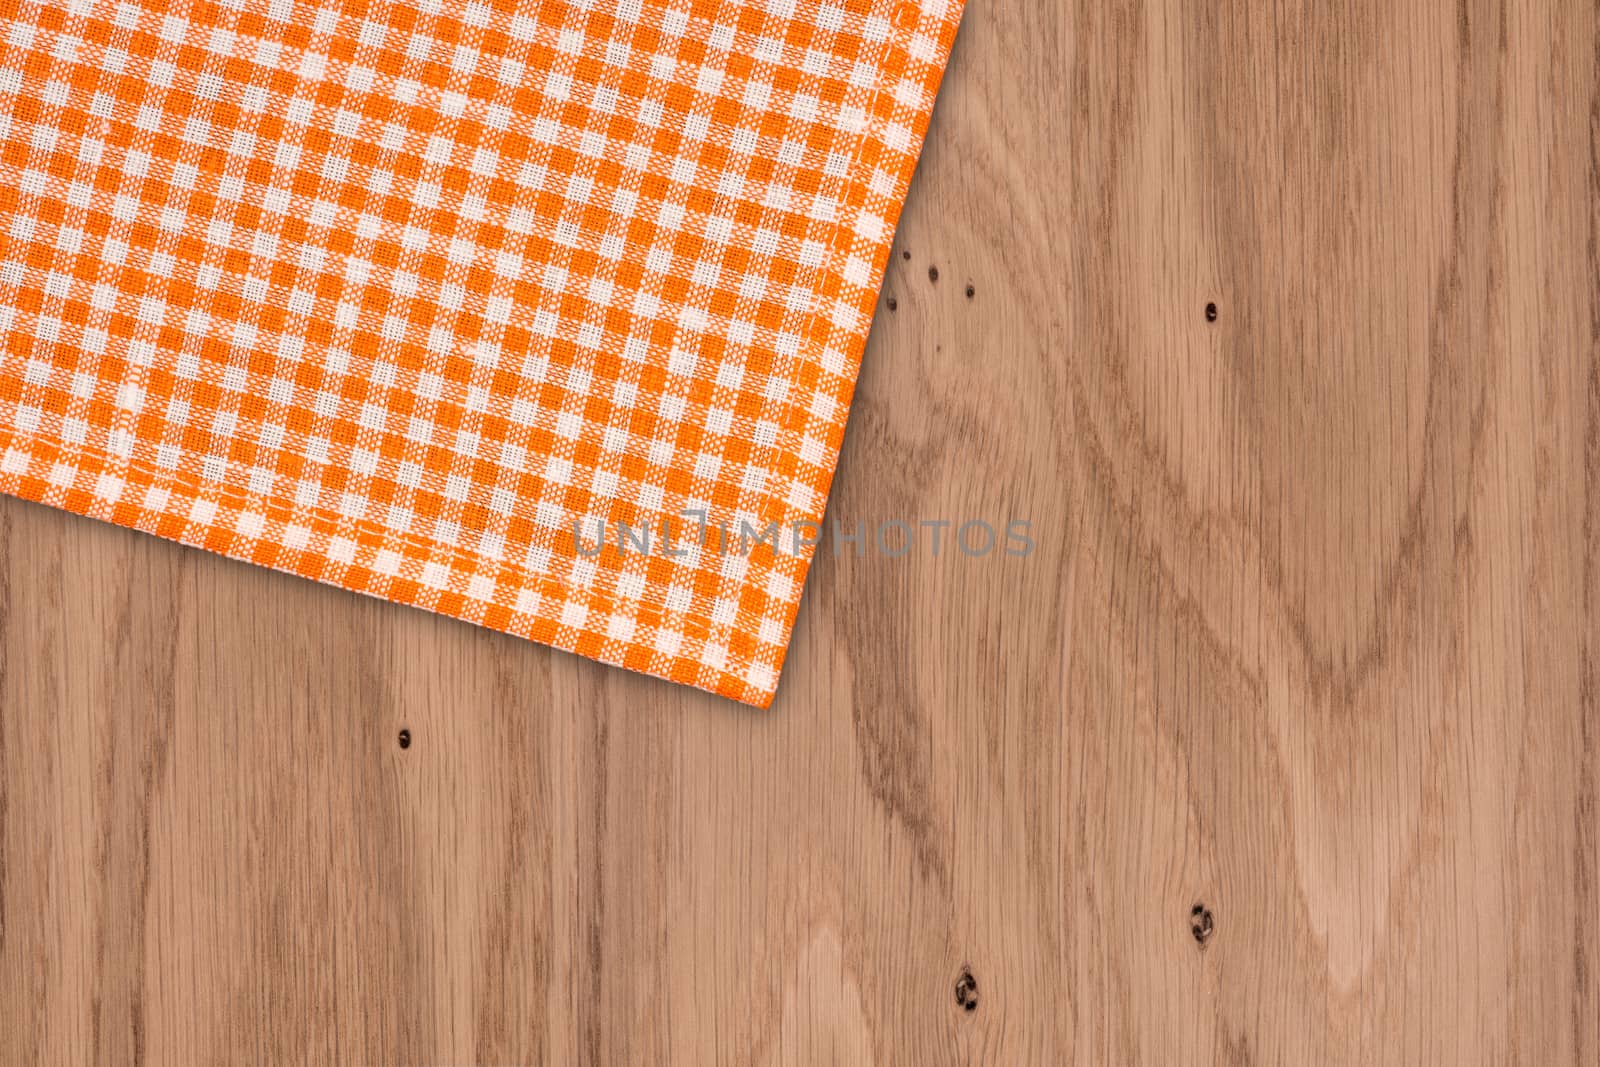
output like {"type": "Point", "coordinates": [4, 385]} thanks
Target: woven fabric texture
{"type": "Point", "coordinates": [544, 315]}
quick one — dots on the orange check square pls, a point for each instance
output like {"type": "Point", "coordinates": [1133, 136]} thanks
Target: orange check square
{"type": "Point", "coordinates": [544, 315]}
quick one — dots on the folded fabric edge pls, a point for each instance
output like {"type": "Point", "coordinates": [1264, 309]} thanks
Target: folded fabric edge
{"type": "Point", "coordinates": [914, 23]}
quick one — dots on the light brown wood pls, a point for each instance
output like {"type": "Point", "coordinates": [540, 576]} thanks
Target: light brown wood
{"type": "Point", "coordinates": [1308, 641]}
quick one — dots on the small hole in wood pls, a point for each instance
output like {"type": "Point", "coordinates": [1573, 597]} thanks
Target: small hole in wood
{"type": "Point", "coordinates": [933, 274]}
{"type": "Point", "coordinates": [972, 291]}
{"type": "Point", "coordinates": [1211, 313]}
{"type": "Point", "coordinates": [967, 991]}
{"type": "Point", "coordinates": [1202, 924]}
{"type": "Point", "coordinates": [906, 254]}
{"type": "Point", "coordinates": [893, 304]}
{"type": "Point", "coordinates": [405, 738]}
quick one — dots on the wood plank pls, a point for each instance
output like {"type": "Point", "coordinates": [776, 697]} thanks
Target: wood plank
{"type": "Point", "coordinates": [1307, 641]}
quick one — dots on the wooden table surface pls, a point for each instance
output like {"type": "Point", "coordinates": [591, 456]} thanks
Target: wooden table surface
{"type": "Point", "coordinates": [1280, 748]}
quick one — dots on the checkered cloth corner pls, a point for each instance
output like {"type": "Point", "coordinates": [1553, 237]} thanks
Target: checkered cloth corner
{"type": "Point", "coordinates": [543, 314]}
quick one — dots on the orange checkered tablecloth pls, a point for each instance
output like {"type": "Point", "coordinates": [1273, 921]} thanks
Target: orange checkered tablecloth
{"type": "Point", "coordinates": [544, 314]}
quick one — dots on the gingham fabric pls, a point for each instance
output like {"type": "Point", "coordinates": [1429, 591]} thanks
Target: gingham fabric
{"type": "Point", "coordinates": [424, 299]}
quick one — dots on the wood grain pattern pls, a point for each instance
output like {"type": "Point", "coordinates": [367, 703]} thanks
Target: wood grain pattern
{"type": "Point", "coordinates": [1308, 641]}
